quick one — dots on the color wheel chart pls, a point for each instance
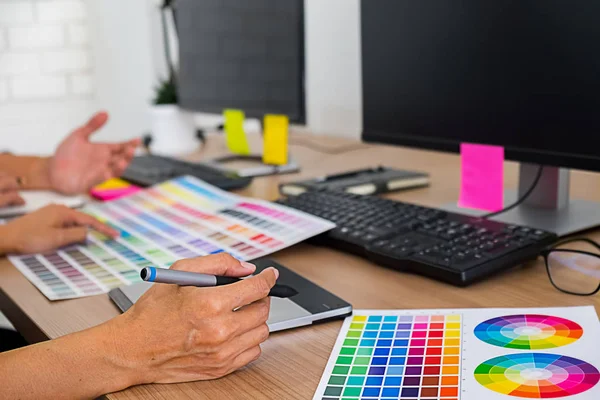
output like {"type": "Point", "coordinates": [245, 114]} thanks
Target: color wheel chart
{"type": "Point", "coordinates": [468, 354]}
{"type": "Point", "coordinates": [181, 218]}
{"type": "Point", "coordinates": [528, 332]}
{"type": "Point", "coordinates": [537, 375]}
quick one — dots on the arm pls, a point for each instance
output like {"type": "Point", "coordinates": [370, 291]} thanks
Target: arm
{"type": "Point", "coordinates": [48, 228]}
{"type": "Point", "coordinates": [171, 334]}
{"type": "Point", "coordinates": [33, 171]}
{"type": "Point", "coordinates": [77, 165]}
{"type": "Point", "coordinates": [81, 365]}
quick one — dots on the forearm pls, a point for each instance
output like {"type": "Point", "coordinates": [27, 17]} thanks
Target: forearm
{"type": "Point", "coordinates": [6, 241]}
{"type": "Point", "coordinates": [80, 365]}
{"type": "Point", "coordinates": [33, 171]}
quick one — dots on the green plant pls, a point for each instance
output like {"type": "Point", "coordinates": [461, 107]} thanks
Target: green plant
{"type": "Point", "coordinates": [166, 92]}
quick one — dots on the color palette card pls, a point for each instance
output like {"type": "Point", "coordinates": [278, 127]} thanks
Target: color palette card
{"type": "Point", "coordinates": [181, 218]}
{"type": "Point", "coordinates": [468, 354]}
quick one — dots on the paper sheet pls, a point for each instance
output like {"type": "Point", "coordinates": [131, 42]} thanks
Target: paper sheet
{"type": "Point", "coordinates": [467, 354]}
{"type": "Point", "coordinates": [181, 218]}
{"type": "Point", "coordinates": [35, 200]}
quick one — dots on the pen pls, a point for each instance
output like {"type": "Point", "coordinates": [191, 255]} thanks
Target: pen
{"type": "Point", "coordinates": [185, 278]}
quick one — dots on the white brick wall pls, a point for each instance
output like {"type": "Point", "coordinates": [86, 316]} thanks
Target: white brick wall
{"type": "Point", "coordinates": [36, 36]}
{"type": "Point", "coordinates": [61, 10]}
{"type": "Point", "coordinates": [16, 12]}
{"type": "Point", "coordinates": [45, 64]}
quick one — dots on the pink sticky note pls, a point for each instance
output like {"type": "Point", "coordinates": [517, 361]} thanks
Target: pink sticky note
{"type": "Point", "coordinates": [482, 177]}
{"type": "Point", "coordinates": [107, 195]}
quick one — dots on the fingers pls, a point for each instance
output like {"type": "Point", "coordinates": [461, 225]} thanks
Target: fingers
{"type": "Point", "coordinates": [251, 316]}
{"type": "Point", "coordinates": [9, 199]}
{"type": "Point", "coordinates": [8, 183]}
{"type": "Point", "coordinates": [68, 217]}
{"type": "Point", "coordinates": [221, 264]}
{"type": "Point", "coordinates": [251, 289]}
{"type": "Point", "coordinates": [94, 123]}
{"type": "Point", "coordinates": [82, 219]}
{"type": "Point", "coordinates": [245, 358]}
{"type": "Point", "coordinates": [122, 154]}
{"type": "Point", "coordinates": [66, 236]}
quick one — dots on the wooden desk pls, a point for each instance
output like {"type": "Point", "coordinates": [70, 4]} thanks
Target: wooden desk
{"type": "Point", "coordinates": [293, 361]}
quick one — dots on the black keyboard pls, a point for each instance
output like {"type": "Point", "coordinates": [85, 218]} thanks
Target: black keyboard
{"type": "Point", "coordinates": [455, 248]}
{"type": "Point", "coordinates": [150, 169]}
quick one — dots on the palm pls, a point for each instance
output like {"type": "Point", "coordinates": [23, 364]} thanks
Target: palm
{"type": "Point", "coordinates": [78, 164]}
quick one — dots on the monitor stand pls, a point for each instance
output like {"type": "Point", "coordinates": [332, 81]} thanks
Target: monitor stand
{"type": "Point", "coordinates": [549, 206]}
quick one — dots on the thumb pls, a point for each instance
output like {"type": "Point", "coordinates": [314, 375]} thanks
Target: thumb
{"type": "Point", "coordinates": [94, 123]}
{"type": "Point", "coordinates": [66, 236]}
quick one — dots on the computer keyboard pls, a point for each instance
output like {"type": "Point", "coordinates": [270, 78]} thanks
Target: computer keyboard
{"type": "Point", "coordinates": [149, 170]}
{"type": "Point", "coordinates": [455, 248]}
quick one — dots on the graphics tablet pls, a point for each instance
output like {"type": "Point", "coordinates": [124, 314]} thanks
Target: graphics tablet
{"type": "Point", "coordinates": [311, 304]}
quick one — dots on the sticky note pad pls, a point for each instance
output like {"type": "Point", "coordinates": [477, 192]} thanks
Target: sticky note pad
{"type": "Point", "coordinates": [234, 132]}
{"type": "Point", "coordinates": [276, 139]}
{"type": "Point", "coordinates": [482, 177]}
{"type": "Point", "coordinates": [112, 184]}
{"type": "Point", "coordinates": [113, 189]}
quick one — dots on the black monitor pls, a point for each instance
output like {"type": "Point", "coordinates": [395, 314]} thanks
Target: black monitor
{"type": "Point", "coordinates": [242, 54]}
{"type": "Point", "coordinates": [523, 74]}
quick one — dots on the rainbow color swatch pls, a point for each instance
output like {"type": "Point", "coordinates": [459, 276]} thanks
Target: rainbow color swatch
{"type": "Point", "coordinates": [181, 218]}
{"type": "Point", "coordinates": [386, 356]}
{"type": "Point", "coordinates": [528, 332]}
{"type": "Point", "coordinates": [537, 375]}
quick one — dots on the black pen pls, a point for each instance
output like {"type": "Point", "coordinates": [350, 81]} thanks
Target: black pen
{"type": "Point", "coordinates": [185, 278]}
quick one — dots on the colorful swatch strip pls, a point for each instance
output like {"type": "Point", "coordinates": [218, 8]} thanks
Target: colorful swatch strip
{"type": "Point", "coordinates": [537, 375]}
{"type": "Point", "coordinates": [528, 332]}
{"type": "Point", "coordinates": [382, 356]}
{"type": "Point", "coordinates": [181, 218]}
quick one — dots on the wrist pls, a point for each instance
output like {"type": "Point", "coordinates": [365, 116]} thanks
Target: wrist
{"type": "Point", "coordinates": [107, 348]}
{"type": "Point", "coordinates": [7, 240]}
{"type": "Point", "coordinates": [125, 346]}
{"type": "Point", "coordinates": [37, 176]}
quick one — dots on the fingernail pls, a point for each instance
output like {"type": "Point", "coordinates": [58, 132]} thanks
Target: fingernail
{"type": "Point", "coordinates": [276, 272]}
{"type": "Point", "coordinates": [247, 265]}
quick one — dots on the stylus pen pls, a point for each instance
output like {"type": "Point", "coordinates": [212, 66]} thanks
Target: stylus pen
{"type": "Point", "coordinates": [185, 278]}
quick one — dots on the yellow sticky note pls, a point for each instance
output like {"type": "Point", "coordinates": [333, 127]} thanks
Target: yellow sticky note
{"type": "Point", "coordinates": [276, 139]}
{"type": "Point", "coordinates": [112, 184]}
{"type": "Point", "coordinates": [234, 132]}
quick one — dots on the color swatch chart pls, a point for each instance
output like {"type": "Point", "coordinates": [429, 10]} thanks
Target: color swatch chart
{"type": "Point", "coordinates": [467, 354]}
{"type": "Point", "coordinates": [181, 218]}
{"type": "Point", "coordinates": [386, 356]}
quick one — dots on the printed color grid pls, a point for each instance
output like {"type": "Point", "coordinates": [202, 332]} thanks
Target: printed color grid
{"type": "Point", "coordinates": [181, 218]}
{"type": "Point", "coordinates": [395, 357]}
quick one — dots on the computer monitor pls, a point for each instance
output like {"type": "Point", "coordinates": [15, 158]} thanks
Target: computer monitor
{"type": "Point", "coordinates": [523, 74]}
{"type": "Point", "coordinates": [246, 55]}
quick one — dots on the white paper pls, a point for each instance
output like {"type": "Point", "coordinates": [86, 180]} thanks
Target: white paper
{"type": "Point", "coordinates": [474, 351]}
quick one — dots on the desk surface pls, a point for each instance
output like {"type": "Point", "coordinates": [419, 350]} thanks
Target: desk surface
{"type": "Point", "coordinates": [293, 361]}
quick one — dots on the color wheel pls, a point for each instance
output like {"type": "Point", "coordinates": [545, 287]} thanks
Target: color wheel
{"type": "Point", "coordinates": [528, 332]}
{"type": "Point", "coordinates": [537, 375]}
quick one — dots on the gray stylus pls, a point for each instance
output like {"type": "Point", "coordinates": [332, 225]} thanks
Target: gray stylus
{"type": "Point", "coordinates": [186, 278]}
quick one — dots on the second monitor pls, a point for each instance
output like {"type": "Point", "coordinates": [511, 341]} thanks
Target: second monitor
{"type": "Point", "coordinates": [519, 74]}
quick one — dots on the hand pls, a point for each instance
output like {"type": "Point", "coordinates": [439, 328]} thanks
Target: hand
{"type": "Point", "coordinates": [9, 195]}
{"type": "Point", "coordinates": [180, 334]}
{"type": "Point", "coordinates": [78, 165]}
{"type": "Point", "coordinates": [48, 228]}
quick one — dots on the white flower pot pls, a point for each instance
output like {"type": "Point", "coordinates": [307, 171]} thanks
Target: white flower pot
{"type": "Point", "coordinates": [173, 131]}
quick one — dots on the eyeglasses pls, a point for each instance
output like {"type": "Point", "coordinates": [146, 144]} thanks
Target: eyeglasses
{"type": "Point", "coordinates": [573, 266]}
